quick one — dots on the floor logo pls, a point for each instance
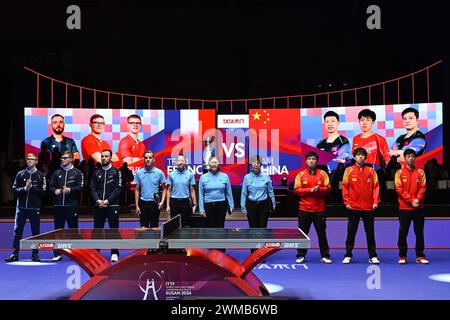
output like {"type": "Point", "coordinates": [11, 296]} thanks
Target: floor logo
{"type": "Point", "coordinates": [147, 282]}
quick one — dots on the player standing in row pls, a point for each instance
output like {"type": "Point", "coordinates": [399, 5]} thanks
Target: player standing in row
{"type": "Point", "coordinates": [148, 181]}
{"type": "Point", "coordinates": [257, 196]}
{"type": "Point", "coordinates": [361, 195]}
{"type": "Point", "coordinates": [106, 186]}
{"type": "Point", "coordinates": [30, 187]}
{"type": "Point", "coordinates": [214, 195]}
{"type": "Point", "coordinates": [410, 184]}
{"type": "Point", "coordinates": [181, 192]}
{"type": "Point", "coordinates": [375, 145]}
{"type": "Point", "coordinates": [66, 184]}
{"type": "Point", "coordinates": [312, 186]}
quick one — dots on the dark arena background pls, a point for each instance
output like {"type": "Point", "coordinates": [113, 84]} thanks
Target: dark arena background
{"type": "Point", "coordinates": [237, 79]}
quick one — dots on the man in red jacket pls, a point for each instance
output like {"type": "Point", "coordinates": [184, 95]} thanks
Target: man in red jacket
{"type": "Point", "coordinates": [375, 145]}
{"type": "Point", "coordinates": [93, 144]}
{"type": "Point", "coordinates": [410, 184]}
{"type": "Point", "coordinates": [312, 185]}
{"type": "Point", "coordinates": [361, 195]}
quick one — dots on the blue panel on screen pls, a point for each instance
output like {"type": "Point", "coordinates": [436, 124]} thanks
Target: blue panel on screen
{"type": "Point", "coordinates": [36, 127]}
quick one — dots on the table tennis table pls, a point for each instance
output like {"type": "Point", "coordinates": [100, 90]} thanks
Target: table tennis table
{"type": "Point", "coordinates": [170, 262]}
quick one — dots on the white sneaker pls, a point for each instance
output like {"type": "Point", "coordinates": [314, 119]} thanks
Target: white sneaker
{"type": "Point", "coordinates": [402, 260]}
{"type": "Point", "coordinates": [347, 260]}
{"type": "Point", "coordinates": [374, 260]}
{"type": "Point", "coordinates": [114, 257]}
{"type": "Point", "coordinates": [57, 258]}
{"type": "Point", "coordinates": [300, 260]}
{"type": "Point", "coordinates": [422, 260]}
{"type": "Point", "coordinates": [326, 260]}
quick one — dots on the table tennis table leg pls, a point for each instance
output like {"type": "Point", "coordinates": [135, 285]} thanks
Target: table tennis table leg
{"type": "Point", "coordinates": [256, 257]}
{"type": "Point", "coordinates": [91, 260]}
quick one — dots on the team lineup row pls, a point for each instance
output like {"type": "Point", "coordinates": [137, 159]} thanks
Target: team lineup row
{"type": "Point", "coordinates": [130, 148]}
{"type": "Point", "coordinates": [360, 191]}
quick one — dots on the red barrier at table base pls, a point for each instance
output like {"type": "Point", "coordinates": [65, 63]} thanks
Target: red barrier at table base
{"type": "Point", "coordinates": [171, 275]}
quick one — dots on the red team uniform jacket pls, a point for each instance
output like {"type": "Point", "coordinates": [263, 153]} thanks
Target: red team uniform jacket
{"type": "Point", "coordinates": [90, 144]}
{"type": "Point", "coordinates": [376, 147]}
{"type": "Point", "coordinates": [128, 147]}
{"type": "Point", "coordinates": [410, 185]}
{"type": "Point", "coordinates": [360, 188]}
{"type": "Point", "coordinates": [304, 182]}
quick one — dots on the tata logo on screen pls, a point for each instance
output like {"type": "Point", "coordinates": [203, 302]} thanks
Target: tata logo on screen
{"type": "Point", "coordinates": [232, 121]}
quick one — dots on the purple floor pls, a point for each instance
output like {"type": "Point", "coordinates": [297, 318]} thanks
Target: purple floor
{"type": "Point", "coordinates": [283, 278]}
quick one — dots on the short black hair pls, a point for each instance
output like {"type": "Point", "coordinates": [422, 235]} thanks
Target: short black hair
{"type": "Point", "coordinates": [148, 151]}
{"type": "Point", "coordinates": [367, 113]}
{"type": "Point", "coordinates": [107, 150]}
{"type": "Point", "coordinates": [133, 116]}
{"type": "Point", "coordinates": [409, 151]}
{"type": "Point", "coordinates": [312, 154]}
{"type": "Point", "coordinates": [360, 151]}
{"type": "Point", "coordinates": [255, 159]}
{"type": "Point", "coordinates": [95, 116]}
{"type": "Point", "coordinates": [59, 115]}
{"type": "Point", "coordinates": [331, 114]}
{"type": "Point", "coordinates": [213, 157]}
{"type": "Point", "coordinates": [413, 110]}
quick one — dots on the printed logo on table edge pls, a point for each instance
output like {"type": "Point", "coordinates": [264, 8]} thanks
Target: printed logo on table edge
{"type": "Point", "coordinates": [293, 245]}
{"type": "Point", "coordinates": [272, 245]}
{"type": "Point", "coordinates": [45, 245]}
{"type": "Point", "coordinates": [64, 246]}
